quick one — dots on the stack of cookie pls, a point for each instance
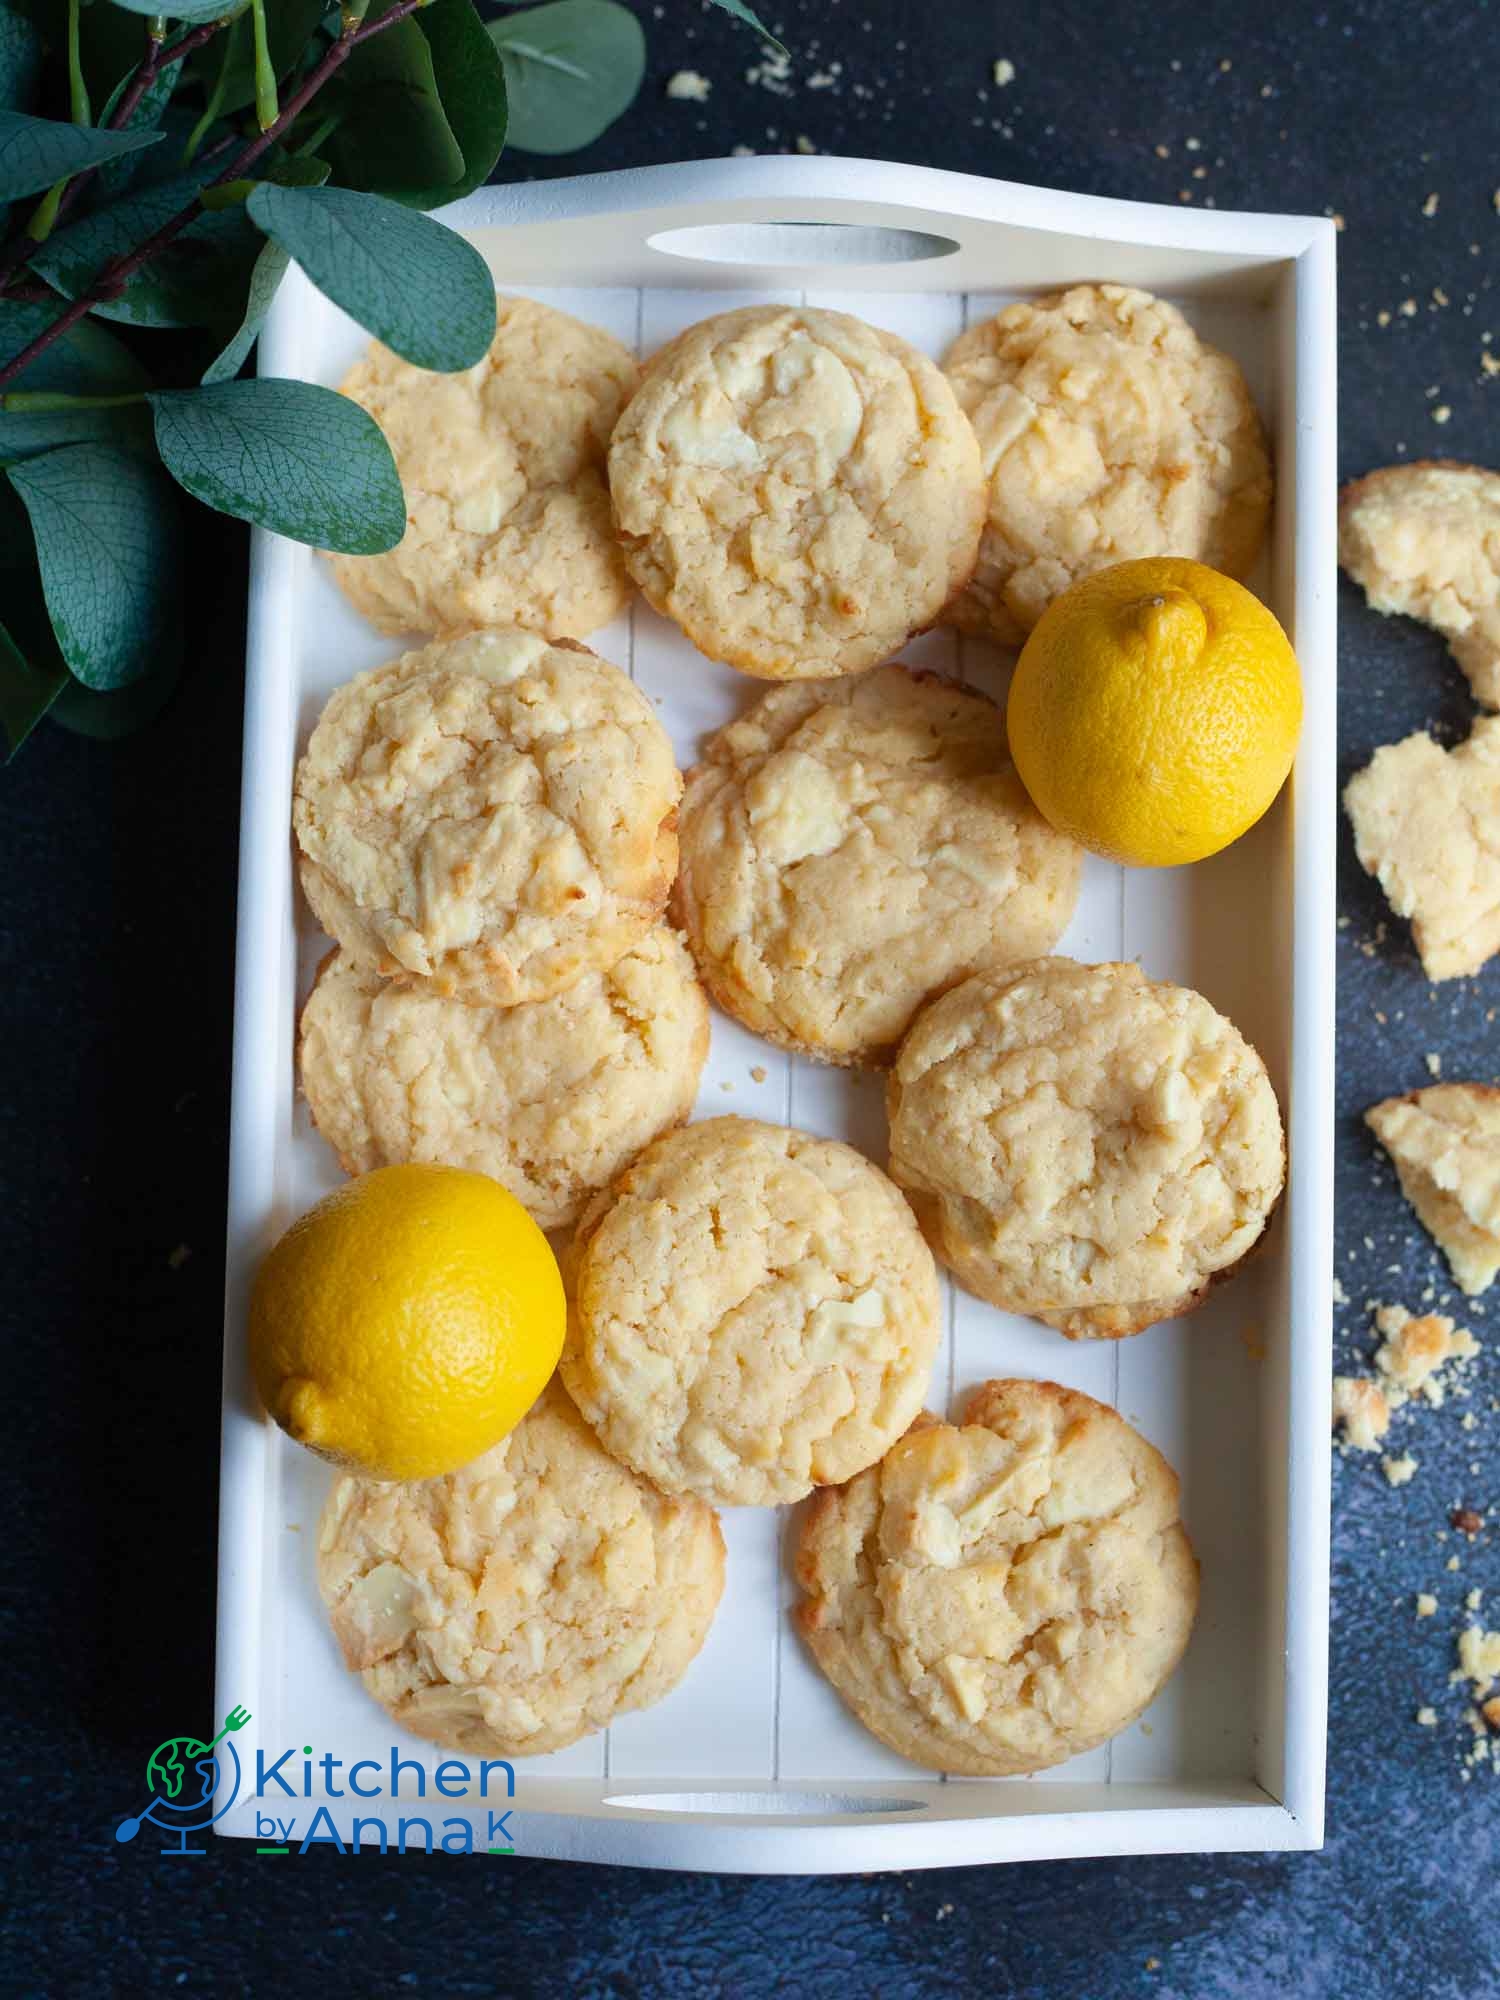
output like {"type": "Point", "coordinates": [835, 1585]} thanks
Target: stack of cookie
{"type": "Point", "coordinates": [489, 828]}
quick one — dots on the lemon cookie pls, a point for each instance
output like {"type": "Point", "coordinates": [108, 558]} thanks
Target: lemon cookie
{"type": "Point", "coordinates": [850, 847]}
{"type": "Point", "coordinates": [1108, 430]}
{"type": "Point", "coordinates": [507, 509]}
{"type": "Point", "coordinates": [798, 490]}
{"type": "Point", "coordinates": [1424, 540]}
{"type": "Point", "coordinates": [1084, 1145]}
{"type": "Point", "coordinates": [524, 1601]}
{"type": "Point", "coordinates": [754, 1313]}
{"type": "Point", "coordinates": [1427, 827]}
{"type": "Point", "coordinates": [551, 1099]}
{"type": "Point", "coordinates": [1445, 1142]}
{"type": "Point", "coordinates": [998, 1595]}
{"type": "Point", "coordinates": [492, 813]}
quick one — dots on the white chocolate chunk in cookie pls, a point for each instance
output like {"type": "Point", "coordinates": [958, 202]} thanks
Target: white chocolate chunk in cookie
{"type": "Point", "coordinates": [1427, 827]}
{"type": "Point", "coordinates": [754, 1313]}
{"type": "Point", "coordinates": [998, 1595]}
{"type": "Point", "coordinates": [1108, 431]}
{"type": "Point", "coordinates": [524, 1601]}
{"type": "Point", "coordinates": [798, 491]}
{"type": "Point", "coordinates": [1445, 1142]}
{"type": "Point", "coordinates": [1423, 540]}
{"type": "Point", "coordinates": [493, 813]}
{"type": "Point", "coordinates": [508, 519]}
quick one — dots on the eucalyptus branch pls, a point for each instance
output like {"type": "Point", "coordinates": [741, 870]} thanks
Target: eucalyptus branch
{"type": "Point", "coordinates": [116, 274]}
{"type": "Point", "coordinates": [25, 239]}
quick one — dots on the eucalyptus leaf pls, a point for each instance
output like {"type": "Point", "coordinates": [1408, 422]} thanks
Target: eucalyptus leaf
{"type": "Point", "coordinates": [150, 109]}
{"type": "Point", "coordinates": [20, 59]}
{"type": "Point", "coordinates": [417, 285]}
{"type": "Point", "coordinates": [571, 68]}
{"type": "Point", "coordinates": [266, 274]}
{"type": "Point", "coordinates": [471, 82]}
{"type": "Point", "coordinates": [305, 461]}
{"type": "Point", "coordinates": [35, 152]}
{"type": "Point", "coordinates": [108, 543]}
{"type": "Point", "coordinates": [26, 692]}
{"type": "Point", "coordinates": [394, 133]}
{"type": "Point", "coordinates": [108, 716]}
{"type": "Point", "coordinates": [742, 13]}
{"type": "Point", "coordinates": [85, 361]}
{"type": "Point", "coordinates": [192, 282]}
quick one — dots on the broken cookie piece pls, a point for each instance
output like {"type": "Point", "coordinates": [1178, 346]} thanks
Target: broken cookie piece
{"type": "Point", "coordinates": [1445, 1144]}
{"type": "Point", "coordinates": [1424, 540]}
{"type": "Point", "coordinates": [1361, 1408]}
{"type": "Point", "coordinates": [1427, 827]}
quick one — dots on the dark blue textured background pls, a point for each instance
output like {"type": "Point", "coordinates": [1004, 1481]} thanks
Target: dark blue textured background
{"type": "Point", "coordinates": [115, 965]}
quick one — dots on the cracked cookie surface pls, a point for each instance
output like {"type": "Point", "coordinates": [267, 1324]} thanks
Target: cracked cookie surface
{"type": "Point", "coordinates": [492, 813]}
{"type": "Point", "coordinates": [1108, 430]}
{"type": "Point", "coordinates": [799, 491]}
{"type": "Point", "coordinates": [508, 518]}
{"type": "Point", "coordinates": [1084, 1145]}
{"type": "Point", "coordinates": [998, 1595]}
{"type": "Point", "coordinates": [851, 847]}
{"type": "Point", "coordinates": [1427, 827]}
{"type": "Point", "coordinates": [551, 1099]}
{"type": "Point", "coordinates": [753, 1312]}
{"type": "Point", "coordinates": [525, 1600]}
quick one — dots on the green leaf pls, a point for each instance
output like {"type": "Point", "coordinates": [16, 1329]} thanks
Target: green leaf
{"type": "Point", "coordinates": [35, 152]}
{"type": "Point", "coordinates": [394, 134]}
{"type": "Point", "coordinates": [416, 284]}
{"type": "Point", "coordinates": [26, 692]}
{"type": "Point", "coordinates": [150, 108]}
{"type": "Point", "coordinates": [266, 274]}
{"type": "Point", "coordinates": [571, 68]}
{"type": "Point", "coordinates": [85, 361]}
{"type": "Point", "coordinates": [742, 13]}
{"type": "Point", "coordinates": [305, 461]}
{"type": "Point", "coordinates": [20, 59]}
{"type": "Point", "coordinates": [106, 717]}
{"type": "Point", "coordinates": [471, 82]}
{"type": "Point", "coordinates": [190, 283]}
{"type": "Point", "coordinates": [109, 549]}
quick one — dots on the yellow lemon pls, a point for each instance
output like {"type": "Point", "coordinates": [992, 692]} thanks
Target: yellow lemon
{"type": "Point", "coordinates": [1155, 710]}
{"type": "Point", "coordinates": [408, 1322]}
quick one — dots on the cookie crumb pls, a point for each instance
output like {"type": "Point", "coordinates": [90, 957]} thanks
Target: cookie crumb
{"type": "Point", "coordinates": [689, 87]}
{"type": "Point", "coordinates": [1004, 72]}
{"type": "Point", "coordinates": [1478, 1658]}
{"type": "Point", "coordinates": [1427, 1604]}
{"type": "Point", "coordinates": [1361, 1408]}
{"type": "Point", "coordinates": [1434, 1063]}
{"type": "Point", "coordinates": [1399, 1471]}
{"type": "Point", "coordinates": [758, 1073]}
{"type": "Point", "coordinates": [1474, 1599]}
{"type": "Point", "coordinates": [1441, 414]}
{"type": "Point", "coordinates": [1427, 1718]}
{"type": "Point", "coordinates": [1430, 206]}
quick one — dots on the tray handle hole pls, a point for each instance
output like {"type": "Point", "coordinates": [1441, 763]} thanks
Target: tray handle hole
{"type": "Point", "coordinates": [765, 1805]}
{"type": "Point", "coordinates": [800, 243]}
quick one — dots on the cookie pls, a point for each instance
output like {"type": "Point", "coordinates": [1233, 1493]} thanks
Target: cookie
{"type": "Point", "coordinates": [753, 1313]}
{"type": "Point", "coordinates": [850, 847]}
{"type": "Point", "coordinates": [798, 490]}
{"type": "Point", "coordinates": [552, 1099]}
{"type": "Point", "coordinates": [1427, 827]}
{"type": "Point", "coordinates": [493, 814]}
{"type": "Point", "coordinates": [1445, 1142]}
{"type": "Point", "coordinates": [507, 508]}
{"type": "Point", "coordinates": [524, 1601]}
{"type": "Point", "coordinates": [1424, 540]}
{"type": "Point", "coordinates": [1084, 1145]}
{"type": "Point", "coordinates": [1108, 430]}
{"type": "Point", "coordinates": [1001, 1594]}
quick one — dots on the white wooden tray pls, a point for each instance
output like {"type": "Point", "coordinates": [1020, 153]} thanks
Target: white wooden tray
{"type": "Point", "coordinates": [752, 1763]}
